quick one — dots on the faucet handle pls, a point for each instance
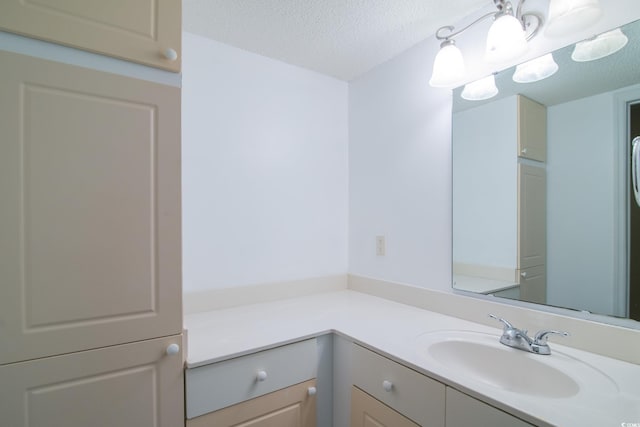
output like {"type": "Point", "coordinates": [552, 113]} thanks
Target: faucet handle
{"type": "Point", "coordinates": [541, 336]}
{"type": "Point", "coordinates": [506, 323]}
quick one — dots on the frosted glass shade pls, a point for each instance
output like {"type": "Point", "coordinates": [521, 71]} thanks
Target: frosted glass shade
{"type": "Point", "coordinates": [536, 69]}
{"type": "Point", "coordinates": [448, 67]}
{"type": "Point", "coordinates": [603, 45]}
{"type": "Point", "coordinates": [479, 90]}
{"type": "Point", "coordinates": [506, 40]}
{"type": "Point", "coordinates": [569, 16]}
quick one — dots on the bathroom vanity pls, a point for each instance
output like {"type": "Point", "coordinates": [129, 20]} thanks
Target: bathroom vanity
{"type": "Point", "coordinates": [353, 354]}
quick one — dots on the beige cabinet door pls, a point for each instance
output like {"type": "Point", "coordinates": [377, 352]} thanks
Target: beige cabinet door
{"type": "Point", "coordinates": [90, 212]}
{"type": "Point", "coordinates": [465, 411]}
{"type": "Point", "coordinates": [367, 411]}
{"type": "Point", "coordinates": [532, 216]}
{"type": "Point", "coordinates": [532, 129]}
{"type": "Point", "coordinates": [533, 284]}
{"type": "Point", "coordinates": [135, 384]}
{"type": "Point", "coordinates": [293, 406]}
{"type": "Point", "coordinates": [135, 30]}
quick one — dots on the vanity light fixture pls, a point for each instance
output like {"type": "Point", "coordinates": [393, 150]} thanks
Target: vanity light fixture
{"type": "Point", "coordinates": [506, 40]}
{"type": "Point", "coordinates": [448, 67]}
{"type": "Point", "coordinates": [480, 90]}
{"type": "Point", "coordinates": [536, 69]}
{"type": "Point", "coordinates": [598, 47]}
{"type": "Point", "coordinates": [569, 16]}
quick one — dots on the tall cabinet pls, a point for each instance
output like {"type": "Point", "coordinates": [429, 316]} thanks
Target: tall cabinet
{"type": "Point", "coordinates": [90, 265]}
{"type": "Point", "coordinates": [532, 200]}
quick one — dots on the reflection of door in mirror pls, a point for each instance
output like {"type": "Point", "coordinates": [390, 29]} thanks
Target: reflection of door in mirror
{"type": "Point", "coordinates": [634, 223]}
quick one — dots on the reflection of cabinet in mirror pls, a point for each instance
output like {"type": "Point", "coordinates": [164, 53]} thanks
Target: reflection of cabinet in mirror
{"type": "Point", "coordinates": [499, 199]}
{"type": "Point", "coordinates": [532, 129]}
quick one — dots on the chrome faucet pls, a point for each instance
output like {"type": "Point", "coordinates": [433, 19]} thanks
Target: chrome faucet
{"type": "Point", "coordinates": [518, 338]}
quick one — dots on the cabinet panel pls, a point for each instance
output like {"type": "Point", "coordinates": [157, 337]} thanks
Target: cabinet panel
{"type": "Point", "coordinates": [533, 284]}
{"type": "Point", "coordinates": [414, 395]}
{"type": "Point", "coordinates": [90, 227]}
{"type": "Point", "coordinates": [127, 385]}
{"type": "Point", "coordinates": [369, 412]}
{"type": "Point", "coordinates": [282, 366]}
{"type": "Point", "coordinates": [464, 411]}
{"type": "Point", "coordinates": [532, 216]}
{"type": "Point", "coordinates": [135, 30]}
{"type": "Point", "coordinates": [532, 129]}
{"type": "Point", "coordinates": [289, 407]}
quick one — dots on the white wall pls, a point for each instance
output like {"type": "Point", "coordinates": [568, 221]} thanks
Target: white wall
{"type": "Point", "coordinates": [264, 169]}
{"type": "Point", "coordinates": [400, 172]}
{"type": "Point", "coordinates": [485, 196]}
{"type": "Point", "coordinates": [581, 185]}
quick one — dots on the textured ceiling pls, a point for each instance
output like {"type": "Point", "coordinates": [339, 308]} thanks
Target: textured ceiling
{"type": "Point", "coordinates": [340, 38]}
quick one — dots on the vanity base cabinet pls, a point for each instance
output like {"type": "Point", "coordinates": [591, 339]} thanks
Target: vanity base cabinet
{"type": "Point", "coordinates": [135, 384]}
{"type": "Point", "coordinates": [289, 407]}
{"type": "Point", "coordinates": [415, 396]}
{"type": "Point", "coordinates": [270, 388]}
{"type": "Point", "coordinates": [464, 411]}
{"type": "Point", "coordinates": [367, 411]}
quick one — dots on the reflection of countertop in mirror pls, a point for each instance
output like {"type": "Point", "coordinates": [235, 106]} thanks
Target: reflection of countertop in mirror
{"type": "Point", "coordinates": [481, 285]}
{"type": "Point", "coordinates": [393, 329]}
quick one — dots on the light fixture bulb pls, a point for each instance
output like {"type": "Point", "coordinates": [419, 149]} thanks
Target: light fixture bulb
{"type": "Point", "coordinates": [479, 90]}
{"type": "Point", "coordinates": [506, 40]}
{"type": "Point", "coordinates": [448, 67]}
{"type": "Point", "coordinates": [569, 16]}
{"type": "Point", "coordinates": [536, 69]}
{"type": "Point", "coordinates": [604, 45]}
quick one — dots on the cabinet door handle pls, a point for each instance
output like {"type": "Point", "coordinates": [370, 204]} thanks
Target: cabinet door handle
{"type": "Point", "coordinates": [523, 274]}
{"type": "Point", "coordinates": [173, 349]}
{"type": "Point", "coordinates": [261, 375]}
{"type": "Point", "coordinates": [311, 391]}
{"type": "Point", "coordinates": [387, 385]}
{"type": "Point", "coordinates": [170, 54]}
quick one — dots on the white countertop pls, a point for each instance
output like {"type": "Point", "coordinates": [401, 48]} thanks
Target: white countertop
{"type": "Point", "coordinates": [480, 284]}
{"type": "Point", "coordinates": [392, 329]}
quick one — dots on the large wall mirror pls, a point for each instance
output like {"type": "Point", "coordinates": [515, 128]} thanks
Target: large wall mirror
{"type": "Point", "coordinates": [562, 230]}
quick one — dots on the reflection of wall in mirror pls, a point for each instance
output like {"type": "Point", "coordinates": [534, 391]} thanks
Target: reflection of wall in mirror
{"type": "Point", "coordinates": [485, 186]}
{"type": "Point", "coordinates": [582, 180]}
{"type": "Point", "coordinates": [580, 203]}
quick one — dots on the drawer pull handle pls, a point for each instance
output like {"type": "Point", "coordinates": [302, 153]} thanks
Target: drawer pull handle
{"type": "Point", "coordinates": [261, 376]}
{"type": "Point", "coordinates": [173, 349]}
{"type": "Point", "coordinates": [311, 391]}
{"type": "Point", "coordinates": [170, 54]}
{"type": "Point", "coordinates": [387, 385]}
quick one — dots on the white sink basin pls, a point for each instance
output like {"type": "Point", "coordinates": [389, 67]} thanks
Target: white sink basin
{"type": "Point", "coordinates": [480, 357]}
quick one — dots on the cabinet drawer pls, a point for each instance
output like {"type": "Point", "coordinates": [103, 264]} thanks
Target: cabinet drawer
{"type": "Point", "coordinates": [410, 393]}
{"type": "Point", "coordinates": [222, 384]}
